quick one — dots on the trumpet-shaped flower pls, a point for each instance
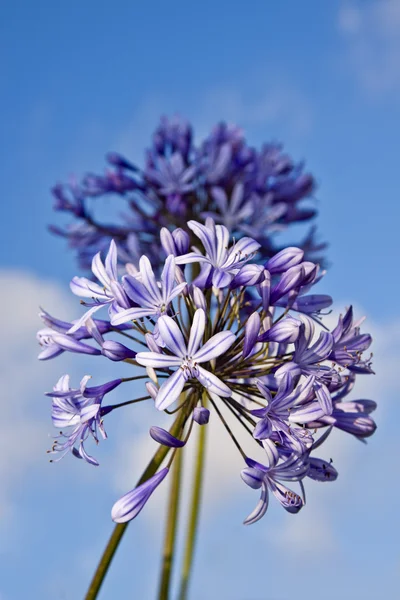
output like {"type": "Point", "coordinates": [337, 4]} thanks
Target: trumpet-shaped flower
{"type": "Point", "coordinates": [110, 292]}
{"type": "Point", "coordinates": [220, 263]}
{"type": "Point", "coordinates": [79, 411]}
{"type": "Point", "coordinates": [152, 299]}
{"type": "Point", "coordinates": [188, 357]}
{"type": "Point", "coordinates": [268, 479]}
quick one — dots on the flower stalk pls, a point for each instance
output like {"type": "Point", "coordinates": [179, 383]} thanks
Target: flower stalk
{"type": "Point", "coordinates": [120, 528]}
{"type": "Point", "coordinates": [171, 525]}
{"type": "Point", "coordinates": [194, 514]}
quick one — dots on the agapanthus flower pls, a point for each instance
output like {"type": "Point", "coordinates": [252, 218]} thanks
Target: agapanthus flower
{"type": "Point", "coordinates": [269, 479]}
{"type": "Point", "coordinates": [236, 338]}
{"type": "Point", "coordinates": [254, 193]}
{"type": "Point", "coordinates": [220, 264]}
{"type": "Point", "coordinates": [188, 357]}
{"type": "Point", "coordinates": [79, 411]}
{"type": "Point", "coordinates": [218, 318]}
{"type": "Point", "coordinates": [109, 293]}
{"type": "Point", "coordinates": [151, 300]}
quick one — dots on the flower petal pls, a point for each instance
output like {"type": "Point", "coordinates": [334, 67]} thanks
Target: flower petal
{"type": "Point", "coordinates": [99, 270]}
{"type": "Point", "coordinates": [260, 509]}
{"type": "Point", "coordinates": [170, 390]}
{"type": "Point", "coordinates": [157, 361]}
{"type": "Point", "coordinates": [196, 331]}
{"type": "Point", "coordinates": [148, 278]}
{"type": "Point", "coordinates": [215, 346]}
{"type": "Point", "coordinates": [111, 261]}
{"type": "Point", "coordinates": [212, 383]}
{"type": "Point", "coordinates": [131, 314]}
{"type": "Point", "coordinates": [168, 278]}
{"type": "Point", "coordinates": [172, 336]}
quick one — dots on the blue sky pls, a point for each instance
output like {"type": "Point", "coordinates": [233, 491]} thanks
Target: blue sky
{"type": "Point", "coordinates": [80, 79]}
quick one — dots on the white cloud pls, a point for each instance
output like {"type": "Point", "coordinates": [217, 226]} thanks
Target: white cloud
{"type": "Point", "coordinates": [24, 436]}
{"type": "Point", "coordinates": [371, 30]}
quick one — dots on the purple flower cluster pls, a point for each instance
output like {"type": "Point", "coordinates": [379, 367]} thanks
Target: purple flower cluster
{"type": "Point", "coordinates": [220, 327]}
{"type": "Point", "coordinates": [255, 193]}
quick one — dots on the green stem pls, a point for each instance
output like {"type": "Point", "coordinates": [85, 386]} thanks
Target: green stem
{"type": "Point", "coordinates": [194, 514]}
{"type": "Point", "coordinates": [120, 528]}
{"type": "Point", "coordinates": [171, 527]}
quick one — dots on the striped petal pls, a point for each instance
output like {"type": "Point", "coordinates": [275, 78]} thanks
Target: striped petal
{"type": "Point", "coordinates": [168, 278]}
{"type": "Point", "coordinates": [170, 390]}
{"type": "Point", "coordinates": [130, 314]}
{"type": "Point", "coordinates": [196, 331]}
{"type": "Point", "coordinates": [157, 361]}
{"type": "Point", "coordinates": [215, 346]}
{"type": "Point", "coordinates": [148, 278]}
{"type": "Point", "coordinates": [99, 270]}
{"type": "Point", "coordinates": [212, 383]}
{"type": "Point", "coordinates": [172, 336]}
{"type": "Point", "coordinates": [260, 509]}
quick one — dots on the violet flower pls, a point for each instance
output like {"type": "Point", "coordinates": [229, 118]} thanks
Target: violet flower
{"type": "Point", "coordinates": [269, 480]}
{"type": "Point", "coordinates": [109, 293]}
{"type": "Point", "coordinates": [188, 357]}
{"type": "Point", "coordinates": [79, 411]}
{"type": "Point", "coordinates": [219, 265]}
{"type": "Point", "coordinates": [152, 299]}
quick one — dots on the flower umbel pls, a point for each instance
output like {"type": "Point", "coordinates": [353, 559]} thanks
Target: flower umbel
{"type": "Point", "coordinates": [227, 337]}
{"type": "Point", "coordinates": [216, 319]}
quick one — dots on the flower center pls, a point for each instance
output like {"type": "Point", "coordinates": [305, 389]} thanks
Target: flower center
{"type": "Point", "coordinates": [189, 368]}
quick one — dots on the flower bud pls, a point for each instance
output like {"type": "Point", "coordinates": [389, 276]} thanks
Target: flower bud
{"type": "Point", "coordinates": [130, 505]}
{"type": "Point", "coordinates": [284, 260]}
{"type": "Point", "coordinates": [201, 415]}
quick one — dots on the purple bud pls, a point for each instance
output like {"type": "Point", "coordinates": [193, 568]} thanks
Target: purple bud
{"type": "Point", "coordinates": [167, 241]}
{"type": "Point", "coordinates": [365, 406]}
{"type": "Point", "coordinates": [152, 389]}
{"type": "Point", "coordinates": [310, 272]}
{"type": "Point", "coordinates": [252, 329]}
{"type": "Point", "coordinates": [201, 415]}
{"type": "Point", "coordinates": [116, 351]}
{"type": "Point", "coordinates": [182, 240]}
{"type": "Point", "coordinates": [164, 438]}
{"type": "Point", "coordinates": [286, 330]}
{"type": "Point", "coordinates": [284, 260]}
{"type": "Point", "coordinates": [252, 477]}
{"type": "Point", "coordinates": [199, 298]}
{"type": "Point", "coordinates": [151, 343]}
{"type": "Point", "coordinates": [289, 281]}
{"type": "Point", "coordinates": [176, 243]}
{"type": "Point", "coordinates": [248, 275]}
{"type": "Point", "coordinates": [265, 290]}
{"type": "Point", "coordinates": [130, 505]}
